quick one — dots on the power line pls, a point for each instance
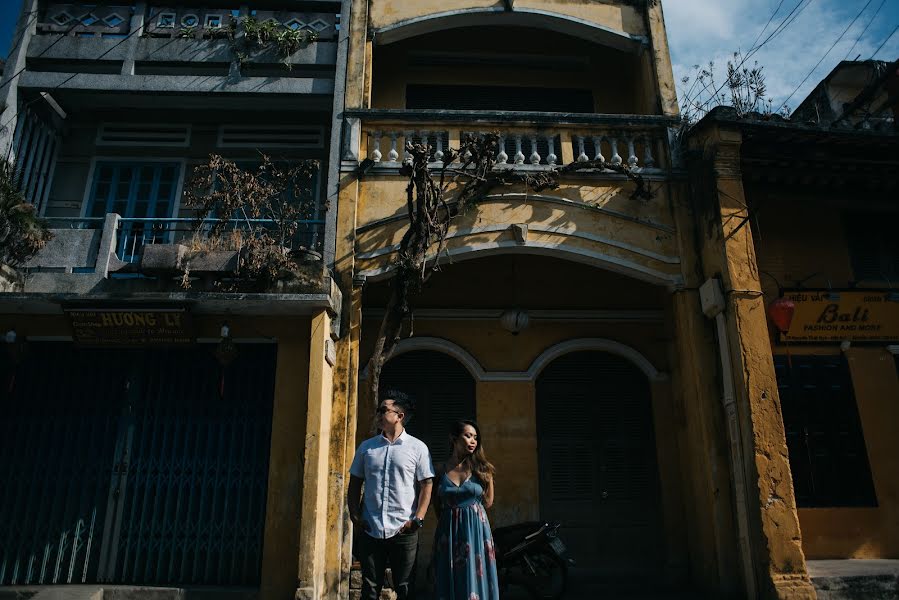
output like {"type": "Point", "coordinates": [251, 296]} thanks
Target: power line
{"type": "Point", "coordinates": [17, 35]}
{"type": "Point", "coordinates": [56, 41]}
{"type": "Point", "coordinates": [787, 21]}
{"type": "Point", "coordinates": [865, 30]}
{"type": "Point", "coordinates": [829, 50]}
{"type": "Point", "coordinates": [770, 20]}
{"type": "Point", "coordinates": [74, 75]}
{"type": "Point", "coordinates": [892, 33]}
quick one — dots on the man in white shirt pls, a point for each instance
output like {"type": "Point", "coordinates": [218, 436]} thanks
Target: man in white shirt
{"type": "Point", "coordinates": [396, 472]}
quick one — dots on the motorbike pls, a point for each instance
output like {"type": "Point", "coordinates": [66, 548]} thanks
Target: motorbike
{"type": "Point", "coordinates": [531, 555]}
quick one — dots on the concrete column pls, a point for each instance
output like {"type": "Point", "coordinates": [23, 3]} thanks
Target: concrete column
{"type": "Point", "coordinates": [773, 522]}
{"type": "Point", "coordinates": [286, 472]}
{"type": "Point", "coordinates": [314, 535]}
{"type": "Point", "coordinates": [138, 21]}
{"type": "Point", "coordinates": [341, 451]}
{"type": "Point", "coordinates": [26, 27]}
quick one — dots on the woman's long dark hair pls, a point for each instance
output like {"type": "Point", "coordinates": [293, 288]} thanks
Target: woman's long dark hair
{"type": "Point", "coordinates": [477, 460]}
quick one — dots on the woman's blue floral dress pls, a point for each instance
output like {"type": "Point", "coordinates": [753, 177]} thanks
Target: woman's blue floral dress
{"type": "Point", "coordinates": [464, 557]}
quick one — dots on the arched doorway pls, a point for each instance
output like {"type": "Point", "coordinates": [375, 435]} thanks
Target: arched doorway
{"type": "Point", "coordinates": [597, 465]}
{"type": "Point", "coordinates": [443, 390]}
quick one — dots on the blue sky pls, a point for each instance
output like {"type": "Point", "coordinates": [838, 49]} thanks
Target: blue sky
{"type": "Point", "coordinates": [711, 30]}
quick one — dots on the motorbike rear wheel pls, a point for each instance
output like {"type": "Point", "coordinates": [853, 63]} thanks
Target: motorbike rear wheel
{"type": "Point", "coordinates": [548, 577]}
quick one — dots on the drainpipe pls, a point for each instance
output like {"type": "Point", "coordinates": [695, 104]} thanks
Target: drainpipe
{"type": "Point", "coordinates": [712, 297]}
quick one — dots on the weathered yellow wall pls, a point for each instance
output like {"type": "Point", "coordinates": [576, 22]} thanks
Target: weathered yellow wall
{"type": "Point", "coordinates": [614, 15]}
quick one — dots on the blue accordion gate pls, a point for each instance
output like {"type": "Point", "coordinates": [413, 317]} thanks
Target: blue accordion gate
{"type": "Point", "coordinates": [134, 466]}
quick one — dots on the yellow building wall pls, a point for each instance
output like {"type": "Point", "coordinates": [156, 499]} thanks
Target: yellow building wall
{"type": "Point", "coordinates": [817, 252]}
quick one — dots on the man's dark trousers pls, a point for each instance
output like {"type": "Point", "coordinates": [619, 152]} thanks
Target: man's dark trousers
{"type": "Point", "coordinates": [374, 554]}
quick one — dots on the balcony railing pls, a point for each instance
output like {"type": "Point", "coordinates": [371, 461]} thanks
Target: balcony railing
{"type": "Point", "coordinates": [527, 140]}
{"type": "Point", "coordinates": [111, 244]}
{"type": "Point", "coordinates": [170, 20]}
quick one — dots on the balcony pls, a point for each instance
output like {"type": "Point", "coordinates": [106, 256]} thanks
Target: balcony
{"type": "Point", "coordinates": [151, 47]}
{"type": "Point", "coordinates": [113, 258]}
{"type": "Point", "coordinates": [529, 140]}
{"type": "Point", "coordinates": [593, 216]}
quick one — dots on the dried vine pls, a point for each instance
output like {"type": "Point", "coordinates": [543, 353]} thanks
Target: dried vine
{"type": "Point", "coordinates": [465, 176]}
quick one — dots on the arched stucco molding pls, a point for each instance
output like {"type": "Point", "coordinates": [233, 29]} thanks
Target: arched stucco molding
{"type": "Point", "coordinates": [457, 352]}
{"type": "Point", "coordinates": [523, 17]}
{"type": "Point", "coordinates": [566, 252]}
{"type": "Point", "coordinates": [474, 367]}
{"type": "Point", "coordinates": [600, 344]}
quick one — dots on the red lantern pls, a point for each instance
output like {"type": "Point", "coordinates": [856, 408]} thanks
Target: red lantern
{"type": "Point", "coordinates": [781, 313]}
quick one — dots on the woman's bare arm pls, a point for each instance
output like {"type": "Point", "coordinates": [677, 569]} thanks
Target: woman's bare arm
{"type": "Point", "coordinates": [435, 497]}
{"type": "Point", "coordinates": [488, 493]}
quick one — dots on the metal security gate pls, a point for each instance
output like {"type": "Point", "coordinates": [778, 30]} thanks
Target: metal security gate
{"type": "Point", "coordinates": [597, 464]}
{"type": "Point", "coordinates": [130, 466]}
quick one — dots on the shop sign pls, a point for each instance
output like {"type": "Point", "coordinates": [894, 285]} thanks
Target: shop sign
{"type": "Point", "coordinates": [114, 327]}
{"type": "Point", "coordinates": [835, 316]}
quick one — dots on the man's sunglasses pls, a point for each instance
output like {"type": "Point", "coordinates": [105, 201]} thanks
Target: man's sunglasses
{"type": "Point", "coordinates": [383, 409]}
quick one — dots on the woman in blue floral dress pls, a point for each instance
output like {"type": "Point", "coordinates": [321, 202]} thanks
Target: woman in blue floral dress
{"type": "Point", "coordinates": [464, 556]}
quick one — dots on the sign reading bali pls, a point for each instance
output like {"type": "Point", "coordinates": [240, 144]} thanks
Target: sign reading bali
{"type": "Point", "coordinates": [131, 327]}
{"type": "Point", "coordinates": [856, 316]}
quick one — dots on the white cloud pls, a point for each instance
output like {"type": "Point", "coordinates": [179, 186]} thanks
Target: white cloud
{"type": "Point", "coordinates": [704, 30]}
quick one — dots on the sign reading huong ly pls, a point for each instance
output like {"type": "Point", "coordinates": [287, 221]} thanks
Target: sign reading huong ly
{"type": "Point", "coordinates": [131, 327]}
{"type": "Point", "coordinates": [857, 316]}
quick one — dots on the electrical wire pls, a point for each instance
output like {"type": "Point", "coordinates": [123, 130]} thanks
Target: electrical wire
{"type": "Point", "coordinates": [74, 75]}
{"type": "Point", "coordinates": [865, 30]}
{"type": "Point", "coordinates": [829, 50]}
{"type": "Point", "coordinates": [17, 35]}
{"type": "Point", "coordinates": [788, 20]}
{"type": "Point", "coordinates": [770, 20]}
{"type": "Point", "coordinates": [895, 29]}
{"type": "Point", "coordinates": [56, 41]}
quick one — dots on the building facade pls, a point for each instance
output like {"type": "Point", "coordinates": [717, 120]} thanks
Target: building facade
{"type": "Point", "coordinates": [616, 350]}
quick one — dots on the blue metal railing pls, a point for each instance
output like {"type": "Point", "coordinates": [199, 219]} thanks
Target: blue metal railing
{"type": "Point", "coordinates": [135, 233]}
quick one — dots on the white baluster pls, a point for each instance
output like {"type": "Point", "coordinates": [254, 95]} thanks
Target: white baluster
{"type": "Point", "coordinates": [519, 155]}
{"type": "Point", "coordinates": [597, 144]}
{"type": "Point", "coordinates": [648, 159]}
{"type": "Point", "coordinates": [502, 158]}
{"type": "Point", "coordinates": [438, 156]}
{"type": "Point", "coordinates": [551, 158]}
{"type": "Point", "coordinates": [535, 157]}
{"type": "Point", "coordinates": [376, 142]}
{"type": "Point", "coordinates": [631, 152]}
{"type": "Point", "coordinates": [582, 155]}
{"type": "Point", "coordinates": [393, 155]}
{"type": "Point", "coordinates": [616, 158]}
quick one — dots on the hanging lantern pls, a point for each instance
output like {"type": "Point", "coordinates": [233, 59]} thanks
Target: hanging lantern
{"type": "Point", "coordinates": [781, 313]}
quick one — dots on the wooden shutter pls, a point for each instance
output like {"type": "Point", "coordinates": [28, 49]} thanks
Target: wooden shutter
{"type": "Point", "coordinates": [443, 392]}
{"type": "Point", "coordinates": [828, 458]}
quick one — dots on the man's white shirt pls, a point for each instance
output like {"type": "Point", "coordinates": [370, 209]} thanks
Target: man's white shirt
{"type": "Point", "coordinates": [390, 472]}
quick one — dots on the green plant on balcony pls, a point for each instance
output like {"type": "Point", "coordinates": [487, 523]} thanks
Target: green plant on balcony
{"type": "Point", "coordinates": [22, 232]}
{"type": "Point", "coordinates": [264, 34]}
{"type": "Point", "coordinates": [257, 213]}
